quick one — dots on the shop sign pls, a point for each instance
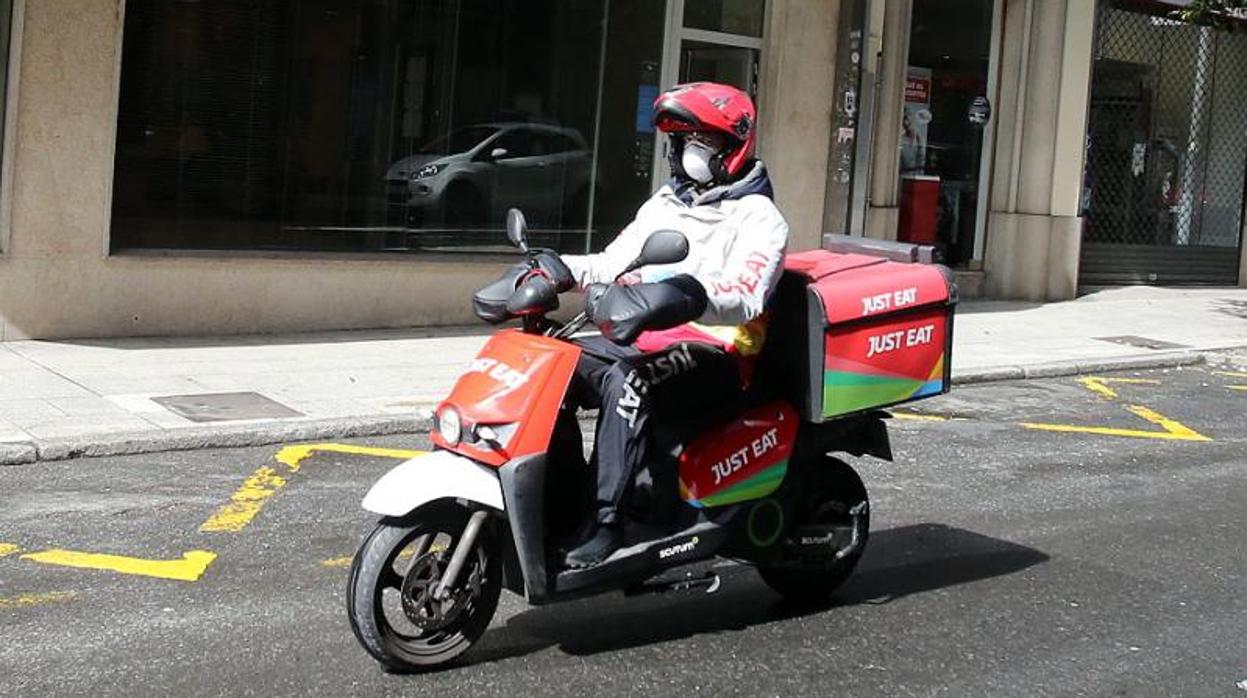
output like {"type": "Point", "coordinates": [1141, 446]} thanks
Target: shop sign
{"type": "Point", "coordinates": [918, 86]}
{"type": "Point", "coordinates": [980, 111]}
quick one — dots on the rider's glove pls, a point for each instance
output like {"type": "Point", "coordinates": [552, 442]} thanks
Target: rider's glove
{"type": "Point", "coordinates": [623, 312]}
{"type": "Point", "coordinates": [551, 264]}
{"type": "Point", "coordinates": [490, 303]}
{"type": "Point", "coordinates": [593, 296]}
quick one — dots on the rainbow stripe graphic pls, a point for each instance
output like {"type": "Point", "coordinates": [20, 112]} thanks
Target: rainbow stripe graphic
{"type": "Point", "coordinates": [758, 486]}
{"type": "Point", "coordinates": [855, 386]}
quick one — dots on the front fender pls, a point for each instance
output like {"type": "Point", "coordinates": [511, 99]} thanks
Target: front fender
{"type": "Point", "coordinates": [438, 475]}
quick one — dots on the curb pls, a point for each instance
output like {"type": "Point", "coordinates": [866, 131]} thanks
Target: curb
{"type": "Point", "coordinates": [232, 436]}
{"type": "Point", "coordinates": [1079, 367]}
{"type": "Point", "coordinates": [266, 433]}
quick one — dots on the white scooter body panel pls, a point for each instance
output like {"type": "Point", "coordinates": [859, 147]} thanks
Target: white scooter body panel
{"type": "Point", "coordinates": [438, 475]}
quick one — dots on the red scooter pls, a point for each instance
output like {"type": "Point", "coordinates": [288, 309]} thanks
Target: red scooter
{"type": "Point", "coordinates": [507, 489]}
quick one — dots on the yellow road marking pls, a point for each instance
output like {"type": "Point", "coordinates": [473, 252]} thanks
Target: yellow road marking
{"type": "Point", "coordinates": [925, 417]}
{"type": "Point", "coordinates": [1173, 430]}
{"type": "Point", "coordinates": [293, 456]}
{"type": "Point", "coordinates": [1230, 374]}
{"type": "Point", "coordinates": [1169, 425]}
{"type": "Point", "coordinates": [7, 549]}
{"type": "Point", "coordinates": [245, 504]}
{"type": "Point", "coordinates": [1237, 387]}
{"type": "Point", "coordinates": [1099, 385]}
{"type": "Point", "coordinates": [188, 569]}
{"type": "Point", "coordinates": [405, 554]}
{"type": "Point", "coordinates": [27, 600]}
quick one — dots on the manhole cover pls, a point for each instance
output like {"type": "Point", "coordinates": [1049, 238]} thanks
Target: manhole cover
{"type": "Point", "coordinates": [221, 407]}
{"type": "Point", "coordinates": [1146, 343]}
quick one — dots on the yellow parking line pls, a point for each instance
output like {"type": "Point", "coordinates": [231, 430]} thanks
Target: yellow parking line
{"type": "Point", "coordinates": [924, 417]}
{"type": "Point", "coordinates": [1230, 374]}
{"type": "Point", "coordinates": [189, 568]}
{"type": "Point", "coordinates": [292, 456]}
{"type": "Point", "coordinates": [1237, 387]}
{"type": "Point", "coordinates": [7, 549]}
{"type": "Point", "coordinates": [1099, 385]}
{"type": "Point", "coordinates": [27, 600]}
{"type": "Point", "coordinates": [405, 554]}
{"type": "Point", "coordinates": [1173, 430]}
{"type": "Point", "coordinates": [247, 501]}
{"type": "Point", "coordinates": [1169, 425]}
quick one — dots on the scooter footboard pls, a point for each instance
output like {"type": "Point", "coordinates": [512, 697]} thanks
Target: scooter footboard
{"type": "Point", "coordinates": [438, 475]}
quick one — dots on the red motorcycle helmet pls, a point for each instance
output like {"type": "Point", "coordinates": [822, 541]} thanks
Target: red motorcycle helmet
{"type": "Point", "coordinates": [709, 107]}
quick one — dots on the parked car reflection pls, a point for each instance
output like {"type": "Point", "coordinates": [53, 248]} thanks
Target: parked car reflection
{"type": "Point", "coordinates": [470, 177]}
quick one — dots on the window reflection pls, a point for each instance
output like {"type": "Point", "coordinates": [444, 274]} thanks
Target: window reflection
{"type": "Point", "coordinates": [379, 124]}
{"type": "Point", "coordinates": [728, 16]}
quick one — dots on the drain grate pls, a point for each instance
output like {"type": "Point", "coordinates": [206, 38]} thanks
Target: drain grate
{"type": "Point", "coordinates": [1144, 342]}
{"type": "Point", "coordinates": [223, 407]}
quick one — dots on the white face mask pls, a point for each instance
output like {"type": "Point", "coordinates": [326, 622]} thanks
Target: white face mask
{"type": "Point", "coordinates": [696, 161]}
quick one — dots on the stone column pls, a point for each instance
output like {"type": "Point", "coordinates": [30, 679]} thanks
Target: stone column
{"type": "Point", "coordinates": [883, 214]}
{"type": "Point", "coordinates": [1034, 229]}
{"type": "Point", "coordinates": [797, 98]}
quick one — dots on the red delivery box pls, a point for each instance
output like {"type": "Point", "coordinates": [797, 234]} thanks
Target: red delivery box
{"type": "Point", "coordinates": [860, 332]}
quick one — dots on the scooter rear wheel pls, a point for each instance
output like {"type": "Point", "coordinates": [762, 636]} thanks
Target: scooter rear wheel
{"type": "Point", "coordinates": [833, 491]}
{"type": "Point", "coordinates": [390, 601]}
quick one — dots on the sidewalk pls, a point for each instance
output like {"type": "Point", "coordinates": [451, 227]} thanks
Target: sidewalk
{"type": "Point", "coordinates": [98, 397]}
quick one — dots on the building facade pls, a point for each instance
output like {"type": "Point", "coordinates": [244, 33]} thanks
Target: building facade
{"type": "Point", "coordinates": [194, 167]}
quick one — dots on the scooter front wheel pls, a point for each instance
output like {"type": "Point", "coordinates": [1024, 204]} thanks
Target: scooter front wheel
{"type": "Point", "coordinates": [393, 602]}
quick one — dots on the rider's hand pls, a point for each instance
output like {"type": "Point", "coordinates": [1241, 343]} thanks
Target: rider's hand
{"type": "Point", "coordinates": [623, 312]}
{"type": "Point", "coordinates": [593, 297]}
{"type": "Point", "coordinates": [549, 262]}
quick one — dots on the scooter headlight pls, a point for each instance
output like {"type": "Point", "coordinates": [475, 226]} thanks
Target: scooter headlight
{"type": "Point", "coordinates": [449, 425]}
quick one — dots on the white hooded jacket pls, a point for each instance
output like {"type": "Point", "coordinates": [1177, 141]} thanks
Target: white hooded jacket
{"type": "Point", "coordinates": [737, 239]}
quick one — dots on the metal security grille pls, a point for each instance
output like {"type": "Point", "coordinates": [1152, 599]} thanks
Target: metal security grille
{"type": "Point", "coordinates": [1166, 150]}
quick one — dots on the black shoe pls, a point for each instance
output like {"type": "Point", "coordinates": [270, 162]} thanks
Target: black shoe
{"type": "Point", "coordinates": [604, 541]}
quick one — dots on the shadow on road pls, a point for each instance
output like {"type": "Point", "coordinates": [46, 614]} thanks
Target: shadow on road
{"type": "Point", "coordinates": [899, 562]}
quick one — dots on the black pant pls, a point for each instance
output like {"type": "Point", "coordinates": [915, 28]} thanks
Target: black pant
{"type": "Point", "coordinates": [689, 381]}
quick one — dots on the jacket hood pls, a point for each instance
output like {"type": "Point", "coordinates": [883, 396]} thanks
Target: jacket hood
{"type": "Point", "coordinates": [755, 181]}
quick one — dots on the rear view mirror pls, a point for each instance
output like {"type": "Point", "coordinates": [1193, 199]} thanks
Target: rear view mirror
{"type": "Point", "coordinates": [497, 153]}
{"type": "Point", "coordinates": [664, 247]}
{"type": "Point", "coordinates": [517, 229]}
{"type": "Point", "coordinates": [661, 247]}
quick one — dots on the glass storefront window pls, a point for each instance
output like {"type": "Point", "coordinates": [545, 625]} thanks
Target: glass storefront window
{"type": "Point", "coordinates": [743, 17]}
{"type": "Point", "coordinates": [382, 125]}
{"type": "Point", "coordinates": [941, 140]}
{"type": "Point", "coordinates": [731, 65]}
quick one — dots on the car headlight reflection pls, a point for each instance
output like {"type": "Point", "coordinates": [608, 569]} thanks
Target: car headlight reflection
{"type": "Point", "coordinates": [428, 171]}
{"type": "Point", "coordinates": [450, 425]}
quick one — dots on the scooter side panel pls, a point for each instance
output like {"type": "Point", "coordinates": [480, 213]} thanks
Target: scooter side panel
{"type": "Point", "coordinates": [516, 384]}
{"type": "Point", "coordinates": [744, 460]}
{"type": "Point", "coordinates": [438, 475]}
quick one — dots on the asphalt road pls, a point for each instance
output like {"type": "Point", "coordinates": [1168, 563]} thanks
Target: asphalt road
{"type": "Point", "coordinates": [1004, 560]}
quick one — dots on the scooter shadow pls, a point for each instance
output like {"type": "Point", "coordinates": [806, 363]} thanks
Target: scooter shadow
{"type": "Point", "coordinates": [898, 562]}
